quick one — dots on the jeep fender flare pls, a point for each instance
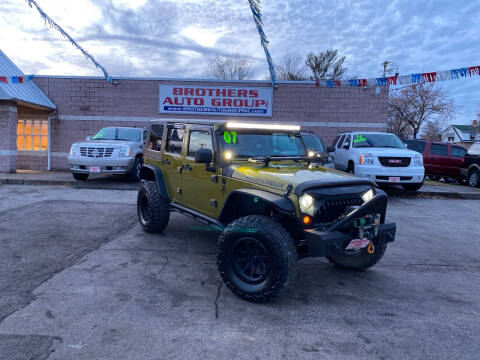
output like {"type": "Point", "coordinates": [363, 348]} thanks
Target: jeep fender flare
{"type": "Point", "coordinates": [473, 167]}
{"type": "Point", "coordinates": [237, 198]}
{"type": "Point", "coordinates": [153, 173]}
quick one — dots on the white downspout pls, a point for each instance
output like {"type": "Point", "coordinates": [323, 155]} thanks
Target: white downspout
{"type": "Point", "coordinates": [49, 142]}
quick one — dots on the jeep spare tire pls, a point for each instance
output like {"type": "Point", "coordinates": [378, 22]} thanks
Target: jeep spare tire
{"type": "Point", "coordinates": [152, 209]}
{"type": "Point", "coordinates": [256, 258]}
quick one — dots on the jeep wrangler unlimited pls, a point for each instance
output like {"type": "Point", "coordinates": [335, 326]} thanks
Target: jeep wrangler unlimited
{"type": "Point", "coordinates": [273, 206]}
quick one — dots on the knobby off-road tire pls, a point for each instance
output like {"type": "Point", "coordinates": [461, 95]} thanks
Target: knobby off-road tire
{"type": "Point", "coordinates": [256, 240]}
{"type": "Point", "coordinates": [80, 176]}
{"type": "Point", "coordinates": [360, 260]}
{"type": "Point", "coordinates": [134, 174]}
{"type": "Point", "coordinates": [152, 209]}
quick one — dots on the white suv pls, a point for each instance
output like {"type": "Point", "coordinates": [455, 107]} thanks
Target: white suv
{"type": "Point", "coordinates": [380, 157]}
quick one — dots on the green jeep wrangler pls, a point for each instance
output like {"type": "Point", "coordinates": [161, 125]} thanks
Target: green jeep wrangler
{"type": "Point", "coordinates": [255, 183]}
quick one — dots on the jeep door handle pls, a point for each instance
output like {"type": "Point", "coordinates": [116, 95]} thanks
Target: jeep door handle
{"type": "Point", "coordinates": [166, 161]}
{"type": "Point", "coordinates": [186, 167]}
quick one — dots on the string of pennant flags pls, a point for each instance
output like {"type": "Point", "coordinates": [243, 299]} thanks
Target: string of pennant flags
{"type": "Point", "coordinates": [15, 79]}
{"type": "Point", "coordinates": [411, 79]}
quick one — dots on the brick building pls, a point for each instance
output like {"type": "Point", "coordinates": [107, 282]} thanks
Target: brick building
{"type": "Point", "coordinates": [36, 135]}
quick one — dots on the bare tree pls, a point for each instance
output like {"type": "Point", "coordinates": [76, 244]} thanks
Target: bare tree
{"type": "Point", "coordinates": [389, 67]}
{"type": "Point", "coordinates": [419, 104]}
{"type": "Point", "coordinates": [233, 67]}
{"type": "Point", "coordinates": [292, 68]}
{"type": "Point", "coordinates": [432, 131]}
{"type": "Point", "coordinates": [326, 65]}
{"type": "Point", "coordinates": [398, 126]}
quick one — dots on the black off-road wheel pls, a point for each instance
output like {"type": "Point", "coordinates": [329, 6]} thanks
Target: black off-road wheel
{"type": "Point", "coordinates": [256, 258]}
{"type": "Point", "coordinates": [412, 187]}
{"type": "Point", "coordinates": [80, 176]}
{"type": "Point", "coordinates": [153, 210]}
{"type": "Point", "coordinates": [474, 178]}
{"type": "Point", "coordinates": [134, 174]}
{"type": "Point", "coordinates": [359, 260]}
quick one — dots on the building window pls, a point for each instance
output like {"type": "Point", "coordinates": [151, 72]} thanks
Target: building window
{"type": "Point", "coordinates": [450, 139]}
{"type": "Point", "coordinates": [32, 135]}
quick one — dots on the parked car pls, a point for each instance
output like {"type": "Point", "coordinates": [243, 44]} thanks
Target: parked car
{"type": "Point", "coordinates": [113, 150]}
{"type": "Point", "coordinates": [380, 157]}
{"type": "Point", "coordinates": [471, 166]}
{"type": "Point", "coordinates": [254, 183]}
{"type": "Point", "coordinates": [440, 160]}
{"type": "Point", "coordinates": [313, 143]}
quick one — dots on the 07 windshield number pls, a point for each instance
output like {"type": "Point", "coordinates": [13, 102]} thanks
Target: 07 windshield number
{"type": "Point", "coordinates": [230, 137]}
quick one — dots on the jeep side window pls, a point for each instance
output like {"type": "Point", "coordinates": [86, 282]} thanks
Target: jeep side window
{"type": "Point", "coordinates": [174, 140]}
{"type": "Point", "coordinates": [155, 141]}
{"type": "Point", "coordinates": [199, 139]}
{"type": "Point", "coordinates": [340, 142]}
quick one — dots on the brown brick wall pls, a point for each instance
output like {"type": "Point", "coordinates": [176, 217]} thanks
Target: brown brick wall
{"type": "Point", "coordinates": [292, 102]}
{"type": "Point", "coordinates": [8, 137]}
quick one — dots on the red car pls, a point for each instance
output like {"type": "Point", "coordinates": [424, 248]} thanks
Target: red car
{"type": "Point", "coordinates": [441, 160]}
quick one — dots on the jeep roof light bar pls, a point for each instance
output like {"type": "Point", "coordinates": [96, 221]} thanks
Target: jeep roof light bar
{"type": "Point", "coordinates": [245, 125]}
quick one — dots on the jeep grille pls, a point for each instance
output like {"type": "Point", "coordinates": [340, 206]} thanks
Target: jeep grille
{"type": "Point", "coordinates": [333, 209]}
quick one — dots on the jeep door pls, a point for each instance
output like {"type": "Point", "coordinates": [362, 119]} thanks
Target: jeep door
{"type": "Point", "coordinates": [200, 188]}
{"type": "Point", "coordinates": [172, 160]}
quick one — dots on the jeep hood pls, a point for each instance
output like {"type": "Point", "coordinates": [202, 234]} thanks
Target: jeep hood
{"type": "Point", "coordinates": [279, 176]}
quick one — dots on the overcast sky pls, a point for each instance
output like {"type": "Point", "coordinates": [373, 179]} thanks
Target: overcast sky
{"type": "Point", "coordinates": [178, 38]}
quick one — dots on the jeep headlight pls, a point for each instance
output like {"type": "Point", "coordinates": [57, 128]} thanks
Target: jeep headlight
{"type": "Point", "coordinates": [124, 150]}
{"type": "Point", "coordinates": [75, 150]}
{"type": "Point", "coordinates": [368, 195]}
{"type": "Point", "coordinates": [306, 204]}
{"type": "Point", "coordinates": [418, 160]}
{"type": "Point", "coordinates": [366, 159]}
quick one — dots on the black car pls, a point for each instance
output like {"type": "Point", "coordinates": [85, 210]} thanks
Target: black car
{"type": "Point", "coordinates": [315, 144]}
{"type": "Point", "coordinates": [471, 166]}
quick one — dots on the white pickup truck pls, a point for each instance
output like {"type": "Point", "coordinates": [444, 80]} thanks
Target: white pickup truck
{"type": "Point", "coordinates": [380, 157]}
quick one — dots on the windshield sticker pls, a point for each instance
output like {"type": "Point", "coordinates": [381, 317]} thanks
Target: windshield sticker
{"type": "Point", "coordinates": [230, 137]}
{"type": "Point", "coordinates": [359, 138]}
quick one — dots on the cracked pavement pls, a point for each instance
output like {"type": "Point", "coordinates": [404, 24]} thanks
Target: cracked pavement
{"type": "Point", "coordinates": [81, 280]}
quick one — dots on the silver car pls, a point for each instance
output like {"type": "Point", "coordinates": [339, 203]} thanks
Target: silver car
{"type": "Point", "coordinates": [113, 150]}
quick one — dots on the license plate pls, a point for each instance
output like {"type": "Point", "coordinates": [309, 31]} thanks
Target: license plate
{"type": "Point", "coordinates": [394, 179]}
{"type": "Point", "coordinates": [357, 244]}
{"type": "Point", "coordinates": [95, 169]}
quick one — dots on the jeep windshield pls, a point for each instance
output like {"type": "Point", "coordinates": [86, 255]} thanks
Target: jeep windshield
{"type": "Point", "coordinates": [118, 134]}
{"type": "Point", "coordinates": [246, 144]}
{"type": "Point", "coordinates": [377, 140]}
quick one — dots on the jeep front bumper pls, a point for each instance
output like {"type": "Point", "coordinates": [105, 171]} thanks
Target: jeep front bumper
{"type": "Point", "coordinates": [333, 240]}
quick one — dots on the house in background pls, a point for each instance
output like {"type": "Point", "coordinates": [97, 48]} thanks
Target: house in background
{"type": "Point", "coordinates": [465, 134]}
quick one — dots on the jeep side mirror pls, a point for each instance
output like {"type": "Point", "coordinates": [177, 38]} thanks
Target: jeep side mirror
{"type": "Point", "coordinates": [203, 156]}
{"type": "Point", "coordinates": [330, 149]}
{"type": "Point", "coordinates": [88, 138]}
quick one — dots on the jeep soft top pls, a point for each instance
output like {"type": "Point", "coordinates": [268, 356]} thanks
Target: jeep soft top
{"type": "Point", "coordinates": [255, 183]}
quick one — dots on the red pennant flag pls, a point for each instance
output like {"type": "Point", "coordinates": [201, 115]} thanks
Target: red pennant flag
{"type": "Point", "coordinates": [20, 79]}
{"type": "Point", "coordinates": [429, 77]}
{"type": "Point", "coordinates": [362, 82]}
{"type": "Point", "coordinates": [337, 82]}
{"type": "Point", "coordinates": [474, 70]}
{"type": "Point", "coordinates": [317, 83]}
{"type": "Point", "coordinates": [392, 80]}
{"type": "Point", "coordinates": [3, 80]}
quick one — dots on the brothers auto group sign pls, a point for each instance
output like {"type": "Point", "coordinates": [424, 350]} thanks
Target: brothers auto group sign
{"type": "Point", "coordinates": [215, 100]}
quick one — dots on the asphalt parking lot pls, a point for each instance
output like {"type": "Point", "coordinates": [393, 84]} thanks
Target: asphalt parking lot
{"type": "Point", "coordinates": [80, 280]}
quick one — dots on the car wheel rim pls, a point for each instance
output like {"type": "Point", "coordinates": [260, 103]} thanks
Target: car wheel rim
{"type": "Point", "coordinates": [144, 209]}
{"type": "Point", "coordinates": [251, 262]}
{"type": "Point", "coordinates": [473, 179]}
